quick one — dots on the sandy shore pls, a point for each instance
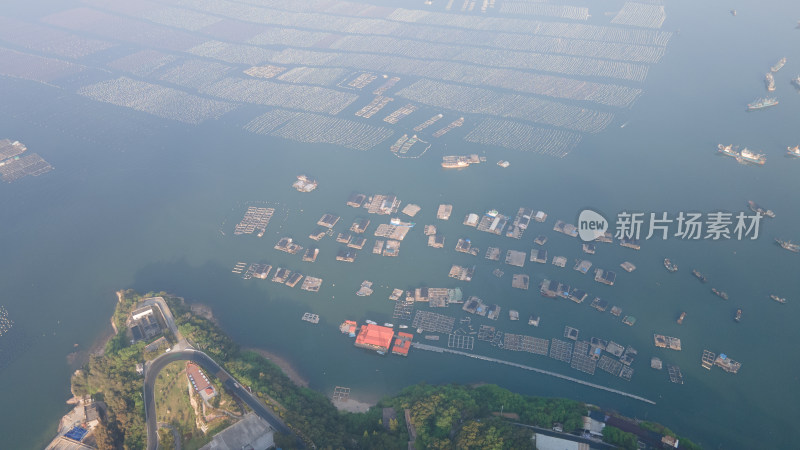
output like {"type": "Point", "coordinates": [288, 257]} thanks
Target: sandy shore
{"type": "Point", "coordinates": [284, 365]}
{"type": "Point", "coordinates": [353, 406]}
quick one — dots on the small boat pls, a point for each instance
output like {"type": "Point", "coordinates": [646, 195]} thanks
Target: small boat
{"type": "Point", "coordinates": [758, 209]}
{"type": "Point", "coordinates": [777, 299]}
{"type": "Point", "coordinates": [793, 151]}
{"type": "Point", "coordinates": [789, 245]}
{"type": "Point", "coordinates": [680, 319]}
{"type": "Point", "coordinates": [738, 316]}
{"type": "Point", "coordinates": [380, 352]}
{"type": "Point", "coordinates": [371, 322]}
{"type": "Point", "coordinates": [387, 324]}
{"type": "Point", "coordinates": [403, 326]}
{"type": "Point", "coordinates": [721, 294]}
{"type": "Point", "coordinates": [671, 266]}
{"type": "Point", "coordinates": [699, 276]}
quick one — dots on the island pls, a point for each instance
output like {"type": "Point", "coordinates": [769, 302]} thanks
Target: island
{"type": "Point", "coordinates": [169, 377]}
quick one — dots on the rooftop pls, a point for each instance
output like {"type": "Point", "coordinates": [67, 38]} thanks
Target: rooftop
{"type": "Point", "coordinates": [374, 337]}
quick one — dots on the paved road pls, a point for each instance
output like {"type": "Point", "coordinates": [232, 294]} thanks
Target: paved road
{"type": "Point", "coordinates": [204, 361]}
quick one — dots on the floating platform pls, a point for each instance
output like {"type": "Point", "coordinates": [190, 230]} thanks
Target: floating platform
{"type": "Point", "coordinates": [311, 284]}
{"type": "Point", "coordinates": [599, 304]}
{"type": "Point", "coordinates": [540, 240]}
{"type": "Point", "coordinates": [655, 363]}
{"type": "Point", "coordinates": [311, 254]}
{"type": "Point", "coordinates": [365, 289]}
{"type": "Point", "coordinates": [493, 254]}
{"type": "Point", "coordinates": [629, 267]}
{"type": "Point", "coordinates": [571, 333]}
{"type": "Point", "coordinates": [727, 364]}
{"type": "Point", "coordinates": [433, 322]}
{"type": "Point", "coordinates": [254, 219]}
{"type": "Point", "coordinates": [565, 228]}
{"type": "Point", "coordinates": [359, 226]}
{"type": "Point", "coordinates": [669, 342]}
{"type": "Point", "coordinates": [629, 320]}
{"type": "Point", "coordinates": [328, 220]}
{"type": "Point", "coordinates": [605, 276]}
{"type": "Point", "coordinates": [461, 273]}
{"type": "Point", "coordinates": [305, 184]}
{"type": "Point", "coordinates": [675, 374]}
{"type": "Point", "coordinates": [707, 360]}
{"type": "Point", "coordinates": [520, 281]}
{"type": "Point", "coordinates": [582, 265]}
{"type": "Point", "coordinates": [436, 241]}
{"type": "Point", "coordinates": [516, 258]}
{"type": "Point", "coordinates": [444, 212]}
{"type": "Point", "coordinates": [313, 318]}
{"type": "Point", "coordinates": [286, 244]}
{"type": "Point", "coordinates": [411, 210]}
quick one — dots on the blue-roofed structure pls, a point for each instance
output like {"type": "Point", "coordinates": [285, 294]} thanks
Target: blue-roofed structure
{"type": "Point", "coordinates": [77, 433]}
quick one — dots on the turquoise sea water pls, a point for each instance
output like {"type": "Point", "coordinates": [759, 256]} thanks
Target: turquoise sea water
{"type": "Point", "coordinates": [139, 202]}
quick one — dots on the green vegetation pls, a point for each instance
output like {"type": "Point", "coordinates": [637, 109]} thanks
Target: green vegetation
{"type": "Point", "coordinates": [173, 406]}
{"type": "Point", "coordinates": [442, 417]}
{"type": "Point", "coordinates": [619, 438]}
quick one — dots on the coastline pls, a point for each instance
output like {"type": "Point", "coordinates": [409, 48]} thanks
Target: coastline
{"type": "Point", "coordinates": [285, 366]}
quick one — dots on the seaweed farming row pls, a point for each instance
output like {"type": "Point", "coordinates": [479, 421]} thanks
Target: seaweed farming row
{"type": "Point", "coordinates": [265, 92]}
{"type": "Point", "coordinates": [49, 40]}
{"type": "Point", "coordinates": [142, 63]}
{"type": "Point", "coordinates": [535, 27]}
{"type": "Point", "coordinates": [232, 53]}
{"type": "Point", "coordinates": [195, 73]}
{"type": "Point", "coordinates": [471, 70]}
{"type": "Point", "coordinates": [124, 29]}
{"type": "Point", "coordinates": [156, 100]}
{"type": "Point", "coordinates": [483, 101]}
{"type": "Point", "coordinates": [519, 136]}
{"type": "Point", "coordinates": [640, 15]}
{"type": "Point", "coordinates": [315, 128]}
{"type": "Point", "coordinates": [526, 8]}
{"type": "Point", "coordinates": [583, 65]}
{"type": "Point", "coordinates": [314, 75]}
{"type": "Point", "coordinates": [344, 17]}
{"type": "Point", "coordinates": [35, 68]}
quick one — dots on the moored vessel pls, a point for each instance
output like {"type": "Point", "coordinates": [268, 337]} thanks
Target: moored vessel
{"type": "Point", "coordinates": [699, 276]}
{"type": "Point", "coordinates": [789, 245]}
{"type": "Point", "coordinates": [793, 151]}
{"type": "Point", "coordinates": [721, 294]}
{"type": "Point", "coordinates": [752, 157]}
{"type": "Point", "coordinates": [727, 150]}
{"type": "Point", "coordinates": [680, 319]}
{"type": "Point", "coordinates": [669, 265]}
{"type": "Point", "coordinates": [770, 81]}
{"type": "Point", "coordinates": [778, 65]}
{"type": "Point", "coordinates": [756, 208]}
{"type": "Point", "coordinates": [738, 316]}
{"type": "Point", "coordinates": [762, 103]}
{"type": "Point", "coordinates": [777, 299]}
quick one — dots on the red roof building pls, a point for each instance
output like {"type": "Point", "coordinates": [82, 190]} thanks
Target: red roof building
{"type": "Point", "coordinates": [198, 379]}
{"type": "Point", "coordinates": [402, 344]}
{"type": "Point", "coordinates": [375, 337]}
